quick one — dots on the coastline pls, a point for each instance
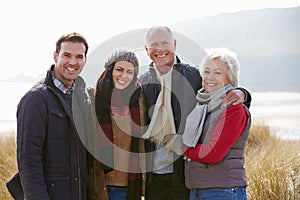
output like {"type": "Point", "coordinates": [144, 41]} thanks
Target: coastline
{"type": "Point", "coordinates": [278, 110]}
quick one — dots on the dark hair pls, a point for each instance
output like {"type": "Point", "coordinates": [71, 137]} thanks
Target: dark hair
{"type": "Point", "coordinates": [71, 37]}
{"type": "Point", "coordinates": [105, 85]}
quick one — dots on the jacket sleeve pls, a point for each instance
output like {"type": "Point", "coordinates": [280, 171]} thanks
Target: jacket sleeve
{"type": "Point", "coordinates": [31, 132]}
{"type": "Point", "coordinates": [248, 98]}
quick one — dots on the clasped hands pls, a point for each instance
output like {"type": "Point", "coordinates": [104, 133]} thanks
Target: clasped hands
{"type": "Point", "coordinates": [173, 142]}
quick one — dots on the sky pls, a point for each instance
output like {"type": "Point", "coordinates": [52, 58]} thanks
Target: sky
{"type": "Point", "coordinates": [29, 29]}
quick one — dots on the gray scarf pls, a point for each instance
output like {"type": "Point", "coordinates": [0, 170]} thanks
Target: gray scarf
{"type": "Point", "coordinates": [207, 102]}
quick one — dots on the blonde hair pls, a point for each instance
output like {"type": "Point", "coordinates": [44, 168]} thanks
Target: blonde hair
{"type": "Point", "coordinates": [228, 57]}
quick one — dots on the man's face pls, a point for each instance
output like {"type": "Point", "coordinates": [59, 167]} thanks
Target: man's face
{"type": "Point", "coordinates": [161, 47]}
{"type": "Point", "coordinates": [69, 61]}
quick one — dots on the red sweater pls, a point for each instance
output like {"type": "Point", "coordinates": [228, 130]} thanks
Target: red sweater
{"type": "Point", "coordinates": [231, 124]}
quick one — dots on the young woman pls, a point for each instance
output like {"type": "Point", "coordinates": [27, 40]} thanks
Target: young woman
{"type": "Point", "coordinates": [215, 136]}
{"type": "Point", "coordinates": [119, 110]}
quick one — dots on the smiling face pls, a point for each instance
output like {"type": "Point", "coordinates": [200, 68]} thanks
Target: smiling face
{"type": "Point", "coordinates": [122, 74]}
{"type": "Point", "coordinates": [69, 61]}
{"type": "Point", "coordinates": [161, 47]}
{"type": "Point", "coordinates": [214, 75]}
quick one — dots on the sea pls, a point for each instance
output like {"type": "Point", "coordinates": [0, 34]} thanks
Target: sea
{"type": "Point", "coordinates": [278, 110]}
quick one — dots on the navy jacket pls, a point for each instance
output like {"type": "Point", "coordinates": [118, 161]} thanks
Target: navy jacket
{"type": "Point", "coordinates": [51, 157]}
{"type": "Point", "coordinates": [186, 81]}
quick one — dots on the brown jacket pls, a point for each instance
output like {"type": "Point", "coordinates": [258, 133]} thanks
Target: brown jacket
{"type": "Point", "coordinates": [96, 177]}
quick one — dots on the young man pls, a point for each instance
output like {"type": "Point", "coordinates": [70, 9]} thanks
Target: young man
{"type": "Point", "coordinates": [52, 160]}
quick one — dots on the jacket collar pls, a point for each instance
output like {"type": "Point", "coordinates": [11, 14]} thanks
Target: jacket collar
{"type": "Point", "coordinates": [80, 83]}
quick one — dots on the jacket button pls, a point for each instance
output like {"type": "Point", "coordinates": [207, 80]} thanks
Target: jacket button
{"type": "Point", "coordinates": [75, 179]}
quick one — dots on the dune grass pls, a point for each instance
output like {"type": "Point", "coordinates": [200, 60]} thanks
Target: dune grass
{"type": "Point", "coordinates": [8, 163]}
{"type": "Point", "coordinates": [272, 165]}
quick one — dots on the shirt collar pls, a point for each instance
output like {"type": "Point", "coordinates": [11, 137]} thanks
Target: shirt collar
{"type": "Point", "coordinates": [175, 62]}
{"type": "Point", "coordinates": [62, 87]}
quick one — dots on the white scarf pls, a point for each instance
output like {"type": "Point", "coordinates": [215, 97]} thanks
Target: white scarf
{"type": "Point", "coordinates": [207, 102]}
{"type": "Point", "coordinates": [162, 120]}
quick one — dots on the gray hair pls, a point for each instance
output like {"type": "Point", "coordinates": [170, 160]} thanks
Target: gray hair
{"type": "Point", "coordinates": [226, 56]}
{"type": "Point", "coordinates": [154, 28]}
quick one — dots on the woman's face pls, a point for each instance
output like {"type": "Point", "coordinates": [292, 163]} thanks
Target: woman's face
{"type": "Point", "coordinates": [215, 75]}
{"type": "Point", "coordinates": [123, 74]}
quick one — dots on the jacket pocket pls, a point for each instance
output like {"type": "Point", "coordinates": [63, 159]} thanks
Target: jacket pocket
{"type": "Point", "coordinates": [59, 187]}
{"type": "Point", "coordinates": [59, 124]}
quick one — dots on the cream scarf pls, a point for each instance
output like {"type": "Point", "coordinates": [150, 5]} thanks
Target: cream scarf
{"type": "Point", "coordinates": [162, 121]}
{"type": "Point", "coordinates": [207, 102]}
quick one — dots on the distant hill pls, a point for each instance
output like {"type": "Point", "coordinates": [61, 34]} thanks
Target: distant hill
{"type": "Point", "coordinates": [23, 78]}
{"type": "Point", "coordinates": [267, 42]}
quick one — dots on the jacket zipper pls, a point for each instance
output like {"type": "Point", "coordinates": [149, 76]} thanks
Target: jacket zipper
{"type": "Point", "coordinates": [78, 166]}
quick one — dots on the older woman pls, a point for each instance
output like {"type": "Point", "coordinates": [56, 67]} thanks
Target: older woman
{"type": "Point", "coordinates": [215, 136]}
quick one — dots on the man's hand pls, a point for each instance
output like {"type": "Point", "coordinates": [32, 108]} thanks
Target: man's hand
{"type": "Point", "coordinates": [233, 97]}
{"type": "Point", "coordinates": [173, 142]}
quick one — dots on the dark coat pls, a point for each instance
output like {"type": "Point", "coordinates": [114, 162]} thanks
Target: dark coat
{"type": "Point", "coordinates": [186, 81]}
{"type": "Point", "coordinates": [51, 157]}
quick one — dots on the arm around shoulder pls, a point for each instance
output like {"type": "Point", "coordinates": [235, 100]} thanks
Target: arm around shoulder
{"type": "Point", "coordinates": [248, 97]}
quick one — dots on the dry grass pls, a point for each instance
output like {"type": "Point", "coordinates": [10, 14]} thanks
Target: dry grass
{"type": "Point", "coordinates": [272, 165]}
{"type": "Point", "coordinates": [8, 163]}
